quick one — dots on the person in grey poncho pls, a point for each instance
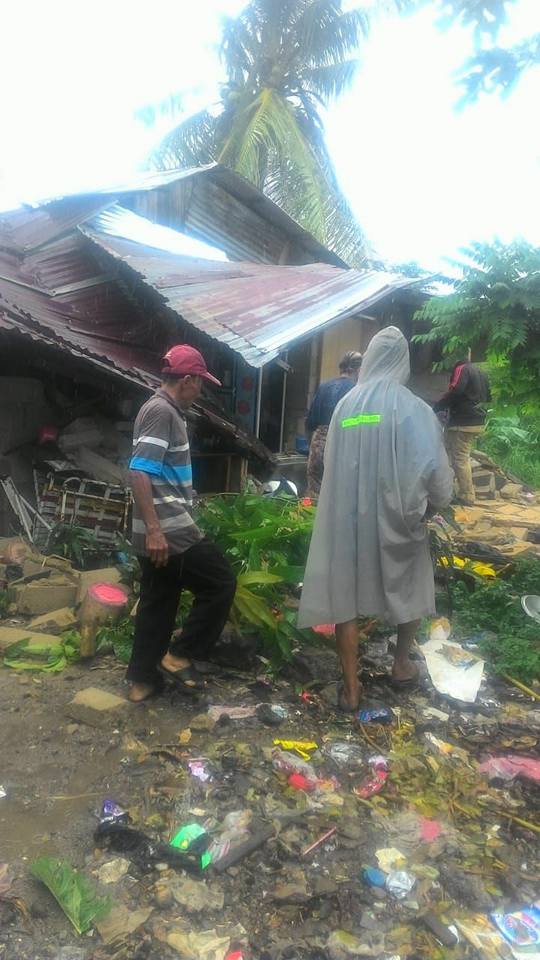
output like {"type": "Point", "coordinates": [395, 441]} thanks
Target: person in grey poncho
{"type": "Point", "coordinates": [385, 466]}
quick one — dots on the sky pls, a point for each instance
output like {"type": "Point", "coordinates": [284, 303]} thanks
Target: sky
{"type": "Point", "coordinates": [423, 179]}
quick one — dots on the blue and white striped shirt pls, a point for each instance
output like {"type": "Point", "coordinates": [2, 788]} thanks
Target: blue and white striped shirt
{"type": "Point", "coordinates": [161, 449]}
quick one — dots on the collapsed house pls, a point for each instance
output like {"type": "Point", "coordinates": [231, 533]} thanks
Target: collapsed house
{"type": "Point", "coordinates": [94, 288]}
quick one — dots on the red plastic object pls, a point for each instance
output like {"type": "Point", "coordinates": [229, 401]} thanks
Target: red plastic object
{"type": "Point", "coordinates": [48, 434]}
{"type": "Point", "coordinates": [307, 502]}
{"type": "Point", "coordinates": [108, 594]}
{"type": "Point", "coordinates": [327, 629]}
{"type": "Point", "coordinates": [235, 955]}
{"type": "Point", "coordinates": [299, 782]}
{"type": "Point", "coordinates": [371, 785]}
{"type": "Point", "coordinates": [429, 829]}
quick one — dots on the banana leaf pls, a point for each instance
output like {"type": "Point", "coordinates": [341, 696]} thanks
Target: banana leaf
{"type": "Point", "coordinates": [253, 609]}
{"type": "Point", "coordinates": [72, 891]}
{"type": "Point", "coordinates": [32, 654]}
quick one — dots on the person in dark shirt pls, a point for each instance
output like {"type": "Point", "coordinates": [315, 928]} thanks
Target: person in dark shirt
{"type": "Point", "coordinates": [465, 405]}
{"type": "Point", "coordinates": [320, 414]}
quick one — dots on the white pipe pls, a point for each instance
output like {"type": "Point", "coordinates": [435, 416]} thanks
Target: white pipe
{"type": "Point", "coordinates": [259, 401]}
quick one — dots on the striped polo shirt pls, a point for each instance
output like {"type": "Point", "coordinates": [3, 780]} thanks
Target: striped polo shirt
{"type": "Point", "coordinates": [161, 449]}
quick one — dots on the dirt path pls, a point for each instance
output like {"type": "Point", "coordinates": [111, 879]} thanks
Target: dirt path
{"type": "Point", "coordinates": [56, 773]}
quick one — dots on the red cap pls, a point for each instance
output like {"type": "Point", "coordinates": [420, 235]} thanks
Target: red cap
{"type": "Point", "coordinates": [183, 361]}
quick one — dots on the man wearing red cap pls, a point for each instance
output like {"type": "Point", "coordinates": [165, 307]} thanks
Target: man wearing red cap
{"type": "Point", "coordinates": [173, 553]}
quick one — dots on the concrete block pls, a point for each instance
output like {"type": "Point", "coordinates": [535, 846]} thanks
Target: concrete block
{"type": "Point", "coordinates": [54, 622]}
{"type": "Point", "coordinates": [89, 577]}
{"type": "Point", "coordinates": [41, 596]}
{"type": "Point", "coordinates": [9, 635]}
{"type": "Point", "coordinates": [512, 491]}
{"type": "Point", "coordinates": [97, 708]}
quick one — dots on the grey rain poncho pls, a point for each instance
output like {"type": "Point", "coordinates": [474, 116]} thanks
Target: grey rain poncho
{"type": "Point", "coordinates": [384, 462]}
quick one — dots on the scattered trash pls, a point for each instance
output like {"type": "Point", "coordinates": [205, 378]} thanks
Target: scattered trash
{"type": "Point", "coordinates": [196, 896]}
{"type": "Point", "coordinates": [374, 877]}
{"type": "Point", "coordinates": [461, 682]}
{"type": "Point", "coordinates": [186, 837]}
{"type": "Point", "coordinates": [299, 782]}
{"type": "Point", "coordinates": [382, 715]}
{"type": "Point", "coordinates": [111, 812]}
{"type": "Point", "coordinates": [113, 870]}
{"type": "Point", "coordinates": [3, 792]}
{"type": "Point", "coordinates": [442, 933]}
{"type": "Point", "coordinates": [374, 783]}
{"type": "Point", "coordinates": [400, 883]}
{"type": "Point", "coordinates": [510, 767]}
{"type": "Point", "coordinates": [521, 929]}
{"type": "Point", "coordinates": [121, 922]}
{"type": "Point", "coordinates": [304, 748]}
{"type": "Point", "coordinates": [345, 754]}
{"type": "Point", "coordinates": [313, 846]}
{"type": "Point", "coordinates": [72, 891]}
{"type": "Point", "coordinates": [286, 762]}
{"type": "Point", "coordinates": [271, 714]}
{"type": "Point", "coordinates": [200, 769]}
{"type": "Point", "coordinates": [531, 606]}
{"type": "Point", "coordinates": [429, 830]}
{"type": "Point", "coordinates": [143, 850]}
{"type": "Point", "coordinates": [233, 713]}
{"type": "Point", "coordinates": [431, 713]}
{"type": "Point", "coordinates": [184, 736]}
{"type": "Point", "coordinates": [389, 858]}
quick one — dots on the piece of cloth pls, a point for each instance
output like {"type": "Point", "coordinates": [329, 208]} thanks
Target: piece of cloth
{"type": "Point", "coordinates": [385, 463]}
{"type": "Point", "coordinates": [325, 400]}
{"type": "Point", "coordinates": [207, 574]}
{"type": "Point", "coordinates": [459, 443]}
{"type": "Point", "coordinates": [315, 464]}
{"type": "Point", "coordinates": [161, 450]}
{"type": "Point", "coordinates": [465, 399]}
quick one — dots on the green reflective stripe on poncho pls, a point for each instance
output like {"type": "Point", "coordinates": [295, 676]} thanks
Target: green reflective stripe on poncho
{"type": "Point", "coordinates": [360, 419]}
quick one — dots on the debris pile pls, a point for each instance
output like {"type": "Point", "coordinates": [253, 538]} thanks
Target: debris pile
{"type": "Point", "coordinates": [227, 831]}
{"type": "Point", "coordinates": [47, 598]}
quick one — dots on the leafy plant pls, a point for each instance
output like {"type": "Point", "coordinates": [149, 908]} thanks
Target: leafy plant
{"type": "Point", "coordinates": [75, 543]}
{"type": "Point", "coordinates": [48, 656]}
{"type": "Point", "coordinates": [119, 636]}
{"type": "Point", "coordinates": [511, 645]}
{"type": "Point", "coordinates": [496, 302]}
{"type": "Point", "coordinates": [72, 891]}
{"type": "Point", "coordinates": [266, 541]}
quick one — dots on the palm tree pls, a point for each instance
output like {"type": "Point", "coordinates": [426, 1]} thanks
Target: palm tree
{"type": "Point", "coordinates": [285, 60]}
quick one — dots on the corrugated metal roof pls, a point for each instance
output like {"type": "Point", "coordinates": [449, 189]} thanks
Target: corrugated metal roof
{"type": "Point", "coordinates": [205, 205]}
{"type": "Point", "coordinates": [256, 310]}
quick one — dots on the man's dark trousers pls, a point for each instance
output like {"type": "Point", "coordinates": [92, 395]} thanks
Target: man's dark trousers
{"type": "Point", "coordinates": [207, 574]}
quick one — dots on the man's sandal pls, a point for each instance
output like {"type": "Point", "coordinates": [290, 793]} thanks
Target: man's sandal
{"type": "Point", "coordinates": [186, 679]}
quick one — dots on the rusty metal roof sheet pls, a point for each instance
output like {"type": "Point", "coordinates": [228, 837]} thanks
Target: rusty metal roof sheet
{"type": "Point", "coordinates": [201, 214]}
{"type": "Point", "coordinates": [255, 309]}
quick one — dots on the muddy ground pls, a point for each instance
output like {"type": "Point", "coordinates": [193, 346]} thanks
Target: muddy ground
{"type": "Point", "coordinates": [276, 903]}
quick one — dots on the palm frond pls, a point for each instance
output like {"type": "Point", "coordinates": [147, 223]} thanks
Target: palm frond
{"type": "Point", "coordinates": [191, 144]}
{"type": "Point", "coordinates": [269, 125]}
{"type": "Point", "coordinates": [331, 80]}
{"type": "Point", "coordinates": [326, 34]}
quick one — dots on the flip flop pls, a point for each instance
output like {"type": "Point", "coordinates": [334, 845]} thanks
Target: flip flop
{"type": "Point", "coordinates": [342, 703]}
{"type": "Point", "coordinates": [187, 679]}
{"type": "Point", "coordinates": [410, 684]}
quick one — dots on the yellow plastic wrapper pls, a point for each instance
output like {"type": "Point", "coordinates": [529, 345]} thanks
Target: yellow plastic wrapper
{"type": "Point", "coordinates": [304, 748]}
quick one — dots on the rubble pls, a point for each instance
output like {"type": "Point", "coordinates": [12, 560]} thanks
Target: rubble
{"type": "Point", "coordinates": [97, 708]}
{"type": "Point", "coordinates": [40, 596]}
{"type": "Point", "coordinates": [54, 622]}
